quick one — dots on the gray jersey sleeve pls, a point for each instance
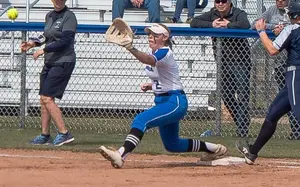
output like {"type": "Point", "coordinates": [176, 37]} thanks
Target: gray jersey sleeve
{"type": "Point", "coordinates": [283, 39]}
{"type": "Point", "coordinates": [70, 23]}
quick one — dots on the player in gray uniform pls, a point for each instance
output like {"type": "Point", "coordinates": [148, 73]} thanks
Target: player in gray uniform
{"type": "Point", "coordinates": [289, 96]}
{"type": "Point", "coordinates": [59, 62]}
{"type": "Point", "coordinates": [170, 103]}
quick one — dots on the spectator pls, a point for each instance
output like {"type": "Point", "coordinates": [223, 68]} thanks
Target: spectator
{"type": "Point", "coordinates": [276, 19]}
{"type": "Point", "coordinates": [235, 60]}
{"type": "Point", "coordinates": [191, 5]}
{"type": "Point", "coordinates": [153, 7]}
{"type": "Point", "coordinates": [59, 62]}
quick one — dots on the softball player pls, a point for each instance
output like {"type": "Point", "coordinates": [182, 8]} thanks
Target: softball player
{"type": "Point", "coordinates": [289, 97]}
{"type": "Point", "coordinates": [170, 103]}
{"type": "Point", "coordinates": [59, 62]}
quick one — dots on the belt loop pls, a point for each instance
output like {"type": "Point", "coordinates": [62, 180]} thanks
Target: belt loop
{"type": "Point", "coordinates": [291, 68]}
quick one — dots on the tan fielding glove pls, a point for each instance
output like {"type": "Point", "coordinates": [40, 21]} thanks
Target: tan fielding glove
{"type": "Point", "coordinates": [120, 33]}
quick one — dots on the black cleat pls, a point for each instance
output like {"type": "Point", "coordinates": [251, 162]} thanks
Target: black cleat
{"type": "Point", "coordinates": [244, 148]}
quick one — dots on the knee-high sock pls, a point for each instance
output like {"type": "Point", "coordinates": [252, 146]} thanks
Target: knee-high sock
{"type": "Point", "coordinates": [131, 142]}
{"type": "Point", "coordinates": [267, 130]}
{"type": "Point", "coordinates": [199, 146]}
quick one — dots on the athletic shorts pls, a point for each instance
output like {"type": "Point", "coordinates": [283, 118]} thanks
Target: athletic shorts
{"type": "Point", "coordinates": [54, 79]}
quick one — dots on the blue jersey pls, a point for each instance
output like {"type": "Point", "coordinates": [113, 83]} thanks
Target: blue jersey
{"type": "Point", "coordinates": [289, 39]}
{"type": "Point", "coordinates": [165, 73]}
{"type": "Point", "coordinates": [289, 96]}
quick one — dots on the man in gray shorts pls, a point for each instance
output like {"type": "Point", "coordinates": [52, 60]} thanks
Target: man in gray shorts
{"type": "Point", "coordinates": [60, 58]}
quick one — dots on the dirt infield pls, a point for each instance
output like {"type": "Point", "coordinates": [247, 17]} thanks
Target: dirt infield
{"type": "Point", "coordinates": [30, 168]}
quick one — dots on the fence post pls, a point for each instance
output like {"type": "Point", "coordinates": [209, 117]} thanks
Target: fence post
{"type": "Point", "coordinates": [218, 86]}
{"type": "Point", "coordinates": [23, 91]}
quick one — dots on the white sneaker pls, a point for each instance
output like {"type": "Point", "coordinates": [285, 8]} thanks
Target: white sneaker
{"type": "Point", "coordinates": [113, 156]}
{"type": "Point", "coordinates": [221, 151]}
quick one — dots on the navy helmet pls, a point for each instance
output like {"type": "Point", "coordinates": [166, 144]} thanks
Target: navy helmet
{"type": "Point", "coordinates": [294, 9]}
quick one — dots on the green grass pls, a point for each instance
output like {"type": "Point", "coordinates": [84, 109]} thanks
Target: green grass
{"type": "Point", "coordinates": [86, 141]}
{"type": "Point", "coordinates": [121, 125]}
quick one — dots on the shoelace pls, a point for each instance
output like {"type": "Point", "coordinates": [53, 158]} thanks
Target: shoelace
{"type": "Point", "coordinates": [40, 138]}
{"type": "Point", "coordinates": [59, 137]}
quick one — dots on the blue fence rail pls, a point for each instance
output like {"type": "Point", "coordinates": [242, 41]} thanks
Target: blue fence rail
{"type": "Point", "coordinates": [139, 30]}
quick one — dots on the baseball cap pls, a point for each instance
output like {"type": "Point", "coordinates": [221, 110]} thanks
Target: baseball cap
{"type": "Point", "coordinates": [157, 29]}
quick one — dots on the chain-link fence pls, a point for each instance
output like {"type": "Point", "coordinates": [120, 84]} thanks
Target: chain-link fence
{"type": "Point", "coordinates": [253, 8]}
{"type": "Point", "coordinates": [229, 82]}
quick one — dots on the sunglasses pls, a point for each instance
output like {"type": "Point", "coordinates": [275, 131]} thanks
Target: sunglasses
{"type": "Point", "coordinates": [219, 1]}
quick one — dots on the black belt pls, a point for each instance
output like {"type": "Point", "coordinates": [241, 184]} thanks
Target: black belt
{"type": "Point", "coordinates": [171, 93]}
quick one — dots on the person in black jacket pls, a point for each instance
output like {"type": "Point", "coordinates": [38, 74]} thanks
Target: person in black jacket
{"type": "Point", "coordinates": [235, 60]}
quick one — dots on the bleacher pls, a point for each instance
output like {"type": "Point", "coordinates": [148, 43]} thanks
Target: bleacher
{"type": "Point", "coordinates": [102, 79]}
{"type": "Point", "coordinates": [87, 11]}
{"type": "Point", "coordinates": [108, 84]}
{"type": "Point", "coordinates": [95, 11]}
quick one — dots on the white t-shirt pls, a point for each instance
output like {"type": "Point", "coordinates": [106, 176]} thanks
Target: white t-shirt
{"type": "Point", "coordinates": [165, 74]}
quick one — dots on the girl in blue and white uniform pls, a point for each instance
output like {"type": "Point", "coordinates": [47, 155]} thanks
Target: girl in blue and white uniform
{"type": "Point", "coordinates": [170, 103]}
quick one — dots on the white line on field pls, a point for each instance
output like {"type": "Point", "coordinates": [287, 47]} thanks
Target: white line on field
{"type": "Point", "coordinates": [290, 165]}
{"type": "Point", "coordinates": [162, 161]}
{"type": "Point", "coordinates": [29, 156]}
{"type": "Point", "coordinates": [102, 159]}
{"type": "Point", "coordinates": [285, 162]}
{"type": "Point", "coordinates": [212, 163]}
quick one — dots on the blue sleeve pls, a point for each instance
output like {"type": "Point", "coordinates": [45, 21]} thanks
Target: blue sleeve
{"type": "Point", "coordinates": [160, 54]}
{"type": "Point", "coordinates": [66, 39]}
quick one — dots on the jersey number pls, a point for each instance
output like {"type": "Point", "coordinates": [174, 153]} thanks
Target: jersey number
{"type": "Point", "coordinates": [158, 87]}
